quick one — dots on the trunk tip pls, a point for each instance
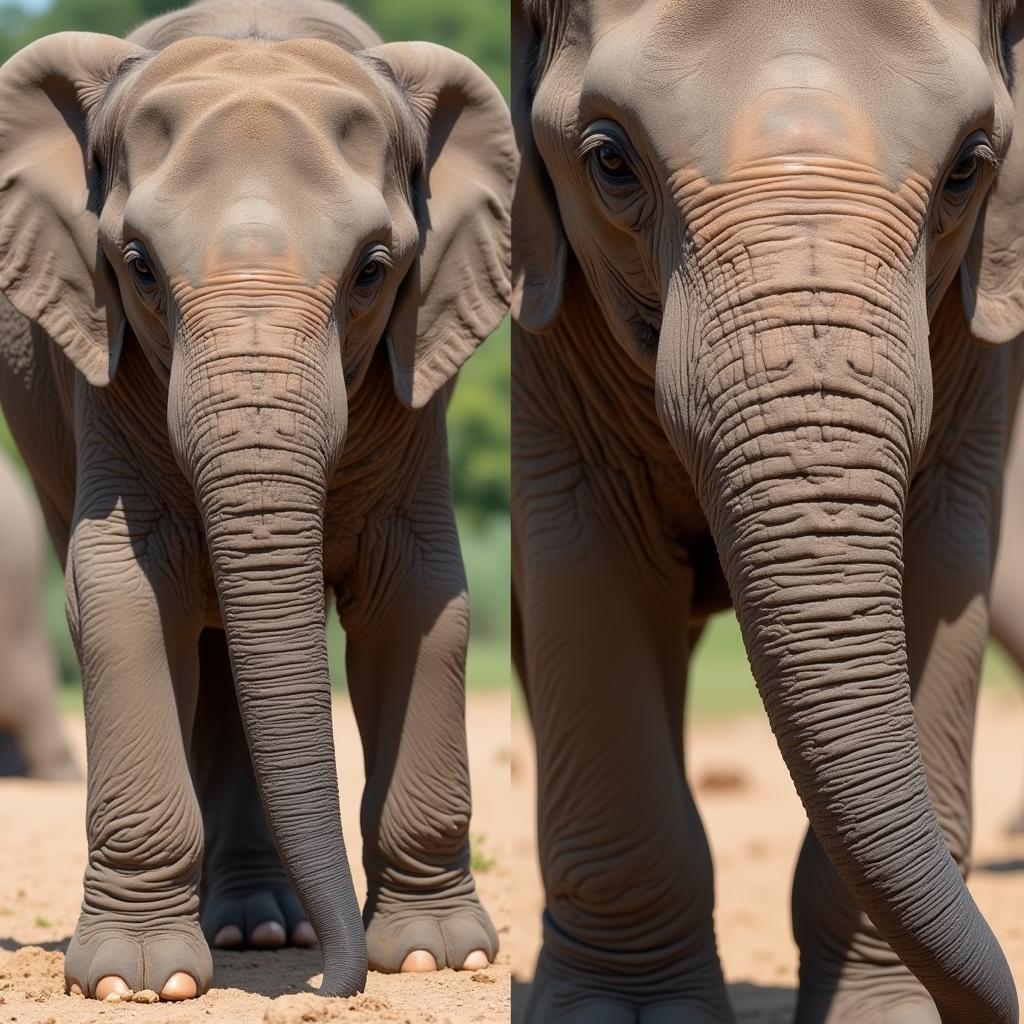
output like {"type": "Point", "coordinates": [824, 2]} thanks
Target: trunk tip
{"type": "Point", "coordinates": [345, 978]}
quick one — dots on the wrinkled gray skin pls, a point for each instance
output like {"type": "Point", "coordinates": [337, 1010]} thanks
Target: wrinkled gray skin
{"type": "Point", "coordinates": [31, 740]}
{"type": "Point", "coordinates": [1007, 604]}
{"type": "Point", "coordinates": [209, 228]}
{"type": "Point", "coordinates": [754, 274]}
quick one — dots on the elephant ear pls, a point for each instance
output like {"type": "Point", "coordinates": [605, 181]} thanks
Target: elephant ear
{"type": "Point", "coordinates": [51, 268]}
{"type": "Point", "coordinates": [457, 290]}
{"type": "Point", "coordinates": [539, 244]}
{"type": "Point", "coordinates": [992, 273]}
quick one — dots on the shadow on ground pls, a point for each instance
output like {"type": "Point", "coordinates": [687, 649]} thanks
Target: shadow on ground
{"type": "Point", "coordinates": [1001, 867]}
{"type": "Point", "coordinates": [244, 970]}
{"type": "Point", "coordinates": [754, 1004]}
{"type": "Point", "coordinates": [13, 945]}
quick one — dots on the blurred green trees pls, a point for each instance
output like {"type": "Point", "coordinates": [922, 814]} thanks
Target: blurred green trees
{"type": "Point", "coordinates": [478, 28]}
{"type": "Point", "coordinates": [479, 412]}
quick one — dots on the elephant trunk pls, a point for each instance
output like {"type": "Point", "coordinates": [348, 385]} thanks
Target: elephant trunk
{"type": "Point", "coordinates": [257, 424]}
{"type": "Point", "coordinates": [800, 417]}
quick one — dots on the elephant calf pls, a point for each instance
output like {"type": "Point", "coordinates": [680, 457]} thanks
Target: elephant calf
{"type": "Point", "coordinates": [759, 247]}
{"type": "Point", "coordinates": [247, 250]}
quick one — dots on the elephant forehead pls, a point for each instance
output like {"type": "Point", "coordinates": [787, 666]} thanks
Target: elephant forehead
{"type": "Point", "coordinates": [250, 100]}
{"type": "Point", "coordinates": [760, 80]}
{"type": "Point", "coordinates": [312, 59]}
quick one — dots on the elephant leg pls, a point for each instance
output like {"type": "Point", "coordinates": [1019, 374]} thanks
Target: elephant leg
{"type": "Point", "coordinates": [848, 974]}
{"type": "Point", "coordinates": [628, 930]}
{"type": "Point", "coordinates": [135, 604]}
{"type": "Point", "coordinates": [246, 897]}
{"type": "Point", "coordinates": [406, 661]}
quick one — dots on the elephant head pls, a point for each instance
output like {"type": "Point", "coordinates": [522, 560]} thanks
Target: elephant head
{"type": "Point", "coordinates": [768, 203]}
{"type": "Point", "coordinates": [256, 216]}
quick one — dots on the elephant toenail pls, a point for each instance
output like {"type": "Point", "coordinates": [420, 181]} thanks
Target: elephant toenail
{"type": "Point", "coordinates": [303, 934]}
{"type": "Point", "coordinates": [267, 935]}
{"type": "Point", "coordinates": [228, 937]}
{"type": "Point", "coordinates": [179, 986]}
{"type": "Point", "coordinates": [111, 985]}
{"type": "Point", "coordinates": [476, 961]}
{"type": "Point", "coordinates": [419, 961]}
{"type": "Point", "coordinates": [75, 989]}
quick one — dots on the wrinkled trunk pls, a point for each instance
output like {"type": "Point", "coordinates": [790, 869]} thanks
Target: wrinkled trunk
{"type": "Point", "coordinates": [257, 423]}
{"type": "Point", "coordinates": [800, 416]}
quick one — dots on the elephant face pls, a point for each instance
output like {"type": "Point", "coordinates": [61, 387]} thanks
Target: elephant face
{"type": "Point", "coordinates": [684, 120]}
{"type": "Point", "coordinates": [368, 191]}
{"type": "Point", "coordinates": [240, 178]}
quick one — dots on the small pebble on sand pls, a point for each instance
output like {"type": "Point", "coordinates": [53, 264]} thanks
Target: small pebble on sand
{"type": "Point", "coordinates": [147, 995]}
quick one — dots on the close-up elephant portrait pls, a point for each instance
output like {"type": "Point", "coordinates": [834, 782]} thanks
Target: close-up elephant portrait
{"type": "Point", "coordinates": [512, 511]}
{"type": "Point", "coordinates": [768, 288]}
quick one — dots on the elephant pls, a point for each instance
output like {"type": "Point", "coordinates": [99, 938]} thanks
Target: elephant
{"type": "Point", "coordinates": [244, 253]}
{"type": "Point", "coordinates": [31, 740]}
{"type": "Point", "coordinates": [768, 281]}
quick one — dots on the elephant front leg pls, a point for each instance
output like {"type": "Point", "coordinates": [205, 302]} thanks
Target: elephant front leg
{"type": "Point", "coordinates": [134, 610]}
{"type": "Point", "coordinates": [848, 973]}
{"type": "Point", "coordinates": [247, 898]}
{"type": "Point", "coordinates": [406, 658]}
{"type": "Point", "coordinates": [628, 929]}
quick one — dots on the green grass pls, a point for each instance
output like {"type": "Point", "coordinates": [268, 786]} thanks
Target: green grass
{"type": "Point", "coordinates": [479, 859]}
{"type": "Point", "coordinates": [721, 684]}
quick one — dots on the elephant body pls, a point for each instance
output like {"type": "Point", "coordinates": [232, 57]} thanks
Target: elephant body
{"type": "Point", "coordinates": [220, 442]}
{"type": "Point", "coordinates": [747, 372]}
{"type": "Point", "coordinates": [31, 740]}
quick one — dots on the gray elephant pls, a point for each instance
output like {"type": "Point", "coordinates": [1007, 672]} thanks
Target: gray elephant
{"type": "Point", "coordinates": [766, 257]}
{"type": "Point", "coordinates": [31, 739]}
{"type": "Point", "coordinates": [245, 252]}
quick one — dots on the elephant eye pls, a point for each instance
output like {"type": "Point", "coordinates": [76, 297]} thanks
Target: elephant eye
{"type": "Point", "coordinates": [974, 158]}
{"type": "Point", "coordinates": [611, 161]}
{"type": "Point", "coordinates": [974, 164]}
{"type": "Point", "coordinates": [964, 175]}
{"type": "Point", "coordinates": [143, 275]}
{"type": "Point", "coordinates": [610, 165]}
{"type": "Point", "coordinates": [612, 169]}
{"type": "Point", "coordinates": [373, 268]}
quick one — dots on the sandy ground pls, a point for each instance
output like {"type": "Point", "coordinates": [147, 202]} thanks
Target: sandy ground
{"type": "Point", "coordinates": [755, 825]}
{"type": "Point", "coordinates": [42, 854]}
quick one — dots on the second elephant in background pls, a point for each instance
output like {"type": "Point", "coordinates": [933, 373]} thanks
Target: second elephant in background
{"type": "Point", "coordinates": [31, 738]}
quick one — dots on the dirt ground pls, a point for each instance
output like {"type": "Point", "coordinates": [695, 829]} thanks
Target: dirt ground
{"type": "Point", "coordinates": [42, 855]}
{"type": "Point", "coordinates": [755, 825]}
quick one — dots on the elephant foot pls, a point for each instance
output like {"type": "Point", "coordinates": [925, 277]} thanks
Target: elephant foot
{"type": "Point", "coordinates": [242, 908]}
{"type": "Point", "coordinates": [558, 995]}
{"type": "Point", "coordinates": [107, 960]}
{"type": "Point", "coordinates": [413, 932]}
{"type": "Point", "coordinates": [892, 997]}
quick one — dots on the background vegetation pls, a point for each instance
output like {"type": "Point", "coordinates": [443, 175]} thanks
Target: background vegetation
{"type": "Point", "coordinates": [479, 413]}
